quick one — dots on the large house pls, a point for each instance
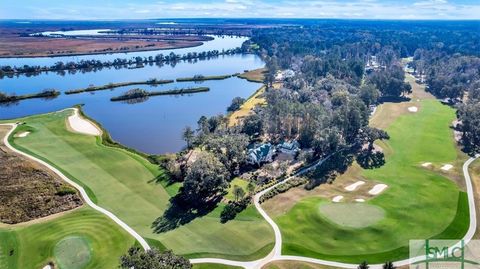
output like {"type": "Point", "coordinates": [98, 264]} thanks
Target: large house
{"type": "Point", "coordinates": [261, 154]}
{"type": "Point", "coordinates": [289, 147]}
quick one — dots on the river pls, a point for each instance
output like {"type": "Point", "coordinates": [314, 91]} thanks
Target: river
{"type": "Point", "coordinates": [153, 126]}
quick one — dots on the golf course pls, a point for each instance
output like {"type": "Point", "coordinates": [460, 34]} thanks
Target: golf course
{"type": "Point", "coordinates": [136, 191]}
{"type": "Point", "coordinates": [82, 238]}
{"type": "Point", "coordinates": [419, 201]}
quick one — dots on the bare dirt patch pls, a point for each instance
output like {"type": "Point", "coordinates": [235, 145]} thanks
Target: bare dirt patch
{"type": "Point", "coordinates": [28, 191]}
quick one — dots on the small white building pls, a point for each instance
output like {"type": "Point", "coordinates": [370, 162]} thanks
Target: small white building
{"type": "Point", "coordinates": [281, 75]}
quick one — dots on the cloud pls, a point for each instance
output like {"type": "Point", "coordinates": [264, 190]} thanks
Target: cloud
{"type": "Point", "coordinates": [366, 9]}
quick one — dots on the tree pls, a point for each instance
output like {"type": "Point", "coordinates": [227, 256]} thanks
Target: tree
{"type": "Point", "coordinates": [252, 125]}
{"type": "Point", "coordinates": [153, 259]}
{"type": "Point", "coordinates": [229, 149]}
{"type": "Point", "coordinates": [363, 265]}
{"type": "Point", "coordinates": [188, 135]}
{"type": "Point", "coordinates": [206, 178]}
{"type": "Point", "coordinates": [237, 102]}
{"type": "Point", "coordinates": [388, 265]}
{"type": "Point", "coordinates": [469, 116]}
{"type": "Point", "coordinates": [369, 94]}
{"type": "Point", "coordinates": [238, 192]}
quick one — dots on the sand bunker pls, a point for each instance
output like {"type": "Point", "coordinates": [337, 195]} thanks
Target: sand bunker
{"type": "Point", "coordinates": [413, 109]}
{"type": "Point", "coordinates": [23, 134]}
{"type": "Point", "coordinates": [337, 198]}
{"type": "Point", "coordinates": [81, 125]}
{"type": "Point", "coordinates": [359, 200]}
{"type": "Point", "coordinates": [377, 189]}
{"type": "Point", "coordinates": [426, 164]}
{"type": "Point", "coordinates": [354, 186]}
{"type": "Point", "coordinates": [446, 167]}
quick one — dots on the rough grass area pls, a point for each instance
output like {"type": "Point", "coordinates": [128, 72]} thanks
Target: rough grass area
{"type": "Point", "coordinates": [28, 190]}
{"type": "Point", "coordinates": [419, 203]}
{"type": "Point", "coordinates": [38, 46]}
{"type": "Point", "coordinates": [356, 215]}
{"type": "Point", "coordinates": [236, 182]}
{"type": "Point", "coordinates": [135, 190]}
{"type": "Point", "coordinates": [247, 108]}
{"type": "Point", "coordinates": [72, 252]}
{"type": "Point", "coordinates": [256, 75]}
{"type": "Point", "coordinates": [35, 245]}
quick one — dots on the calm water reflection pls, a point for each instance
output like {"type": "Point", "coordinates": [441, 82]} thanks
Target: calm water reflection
{"type": "Point", "coordinates": [153, 126]}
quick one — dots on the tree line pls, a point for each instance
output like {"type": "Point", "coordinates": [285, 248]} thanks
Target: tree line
{"type": "Point", "coordinates": [95, 65]}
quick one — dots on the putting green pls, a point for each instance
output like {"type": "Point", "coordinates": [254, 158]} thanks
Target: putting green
{"type": "Point", "coordinates": [352, 215]}
{"type": "Point", "coordinates": [418, 204]}
{"type": "Point", "coordinates": [72, 252]}
{"type": "Point", "coordinates": [131, 188]}
{"type": "Point", "coordinates": [83, 238]}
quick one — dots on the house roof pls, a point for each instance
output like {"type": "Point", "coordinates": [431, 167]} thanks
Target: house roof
{"type": "Point", "coordinates": [261, 151]}
{"type": "Point", "coordinates": [289, 145]}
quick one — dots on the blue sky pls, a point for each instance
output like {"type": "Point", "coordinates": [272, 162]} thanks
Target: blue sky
{"type": "Point", "coordinates": [142, 9]}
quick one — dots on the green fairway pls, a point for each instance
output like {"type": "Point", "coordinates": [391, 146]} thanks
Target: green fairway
{"type": "Point", "coordinates": [72, 252]}
{"type": "Point", "coordinates": [127, 185]}
{"type": "Point", "coordinates": [419, 203]}
{"type": "Point", "coordinates": [353, 215]}
{"type": "Point", "coordinates": [83, 238]}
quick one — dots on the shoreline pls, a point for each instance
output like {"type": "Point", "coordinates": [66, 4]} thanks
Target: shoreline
{"type": "Point", "coordinates": [146, 49]}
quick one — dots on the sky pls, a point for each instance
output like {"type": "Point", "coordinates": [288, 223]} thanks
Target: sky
{"type": "Point", "coordinates": [143, 9]}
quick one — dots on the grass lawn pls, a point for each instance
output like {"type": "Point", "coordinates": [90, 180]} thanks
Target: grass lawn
{"type": "Point", "coordinates": [418, 203]}
{"type": "Point", "coordinates": [214, 266]}
{"type": "Point", "coordinates": [236, 182]}
{"type": "Point", "coordinates": [60, 240]}
{"type": "Point", "coordinates": [126, 184]}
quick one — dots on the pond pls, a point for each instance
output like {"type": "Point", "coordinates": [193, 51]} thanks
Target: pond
{"type": "Point", "coordinates": [153, 126]}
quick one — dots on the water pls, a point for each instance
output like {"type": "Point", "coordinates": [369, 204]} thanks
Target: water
{"type": "Point", "coordinates": [74, 32]}
{"type": "Point", "coordinates": [219, 43]}
{"type": "Point", "coordinates": [153, 126]}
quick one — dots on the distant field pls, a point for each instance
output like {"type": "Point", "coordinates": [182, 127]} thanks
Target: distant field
{"type": "Point", "coordinates": [12, 44]}
{"type": "Point", "coordinates": [418, 203]}
{"type": "Point", "coordinates": [32, 246]}
{"type": "Point", "coordinates": [132, 188]}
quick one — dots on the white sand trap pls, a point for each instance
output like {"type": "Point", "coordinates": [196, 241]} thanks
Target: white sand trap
{"type": "Point", "coordinates": [413, 109]}
{"type": "Point", "coordinates": [337, 198]}
{"type": "Point", "coordinates": [81, 125]}
{"type": "Point", "coordinates": [446, 167]}
{"type": "Point", "coordinates": [359, 200]}
{"type": "Point", "coordinates": [23, 134]}
{"type": "Point", "coordinates": [377, 189]}
{"type": "Point", "coordinates": [354, 186]}
{"type": "Point", "coordinates": [426, 164]}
